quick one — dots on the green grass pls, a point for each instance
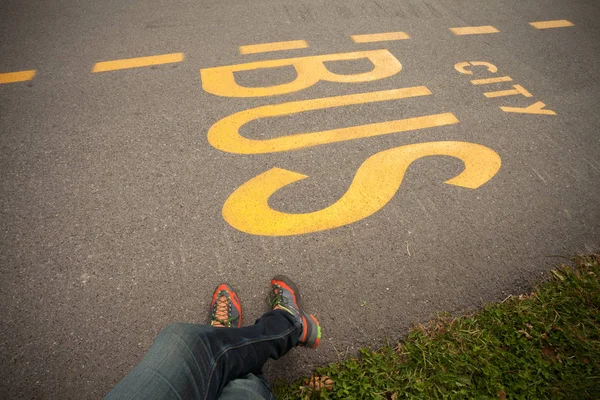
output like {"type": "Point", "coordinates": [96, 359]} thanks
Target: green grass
{"type": "Point", "coordinates": [539, 346]}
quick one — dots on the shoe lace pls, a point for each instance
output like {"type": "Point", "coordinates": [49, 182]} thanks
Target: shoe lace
{"type": "Point", "coordinates": [277, 299]}
{"type": "Point", "coordinates": [221, 311]}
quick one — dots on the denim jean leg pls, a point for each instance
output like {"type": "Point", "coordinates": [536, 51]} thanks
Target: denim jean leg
{"type": "Point", "coordinates": [190, 361]}
{"type": "Point", "coordinates": [249, 387]}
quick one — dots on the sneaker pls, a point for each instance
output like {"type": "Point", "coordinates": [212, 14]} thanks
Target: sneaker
{"type": "Point", "coordinates": [225, 308]}
{"type": "Point", "coordinates": [285, 296]}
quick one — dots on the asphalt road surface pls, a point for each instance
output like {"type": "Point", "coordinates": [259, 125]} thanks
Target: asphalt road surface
{"type": "Point", "coordinates": [136, 175]}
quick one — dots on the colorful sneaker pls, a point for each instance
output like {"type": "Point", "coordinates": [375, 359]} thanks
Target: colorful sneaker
{"type": "Point", "coordinates": [225, 308]}
{"type": "Point", "coordinates": [285, 296]}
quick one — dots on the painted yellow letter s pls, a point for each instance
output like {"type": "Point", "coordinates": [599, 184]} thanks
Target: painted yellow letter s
{"type": "Point", "coordinates": [375, 183]}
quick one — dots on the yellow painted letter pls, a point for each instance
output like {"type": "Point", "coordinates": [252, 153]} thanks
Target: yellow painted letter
{"type": "Point", "coordinates": [375, 184]}
{"type": "Point", "coordinates": [310, 70]}
{"type": "Point", "coordinates": [224, 134]}
{"type": "Point", "coordinates": [462, 67]}
{"type": "Point", "coordinates": [518, 89]}
{"type": "Point", "coordinates": [535, 108]}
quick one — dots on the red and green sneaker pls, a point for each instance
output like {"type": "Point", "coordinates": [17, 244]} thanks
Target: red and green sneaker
{"type": "Point", "coordinates": [225, 308]}
{"type": "Point", "coordinates": [285, 296]}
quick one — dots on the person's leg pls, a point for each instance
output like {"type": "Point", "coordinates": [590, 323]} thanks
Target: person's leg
{"type": "Point", "coordinates": [195, 361]}
{"type": "Point", "coordinates": [190, 361]}
{"type": "Point", "coordinates": [249, 387]}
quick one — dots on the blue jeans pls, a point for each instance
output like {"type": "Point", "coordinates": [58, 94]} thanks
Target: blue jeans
{"type": "Point", "coordinates": [191, 361]}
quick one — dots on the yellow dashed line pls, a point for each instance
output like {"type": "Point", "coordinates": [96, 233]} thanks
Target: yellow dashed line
{"type": "Point", "coordinates": [560, 23]}
{"type": "Point", "coordinates": [137, 62]}
{"type": "Point", "coordinates": [473, 30]}
{"type": "Point", "coordinates": [20, 76]}
{"type": "Point", "coordinates": [380, 37]}
{"type": "Point", "coordinates": [276, 46]}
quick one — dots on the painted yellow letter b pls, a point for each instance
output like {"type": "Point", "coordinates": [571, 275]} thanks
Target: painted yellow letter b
{"type": "Point", "coordinates": [310, 70]}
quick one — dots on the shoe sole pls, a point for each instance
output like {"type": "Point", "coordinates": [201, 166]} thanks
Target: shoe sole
{"type": "Point", "coordinates": [313, 331]}
{"type": "Point", "coordinates": [312, 335]}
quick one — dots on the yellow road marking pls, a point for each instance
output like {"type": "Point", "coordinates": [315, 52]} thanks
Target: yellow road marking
{"type": "Point", "coordinates": [559, 23]}
{"type": "Point", "coordinates": [225, 133]}
{"type": "Point", "coordinates": [491, 80]}
{"type": "Point", "coordinates": [535, 108]}
{"type": "Point", "coordinates": [137, 62]}
{"type": "Point", "coordinates": [380, 37]}
{"type": "Point", "coordinates": [518, 89]}
{"type": "Point", "coordinates": [20, 76]}
{"type": "Point", "coordinates": [462, 67]}
{"type": "Point", "coordinates": [220, 81]}
{"type": "Point", "coordinates": [473, 30]}
{"type": "Point", "coordinates": [375, 183]}
{"type": "Point", "coordinates": [276, 46]}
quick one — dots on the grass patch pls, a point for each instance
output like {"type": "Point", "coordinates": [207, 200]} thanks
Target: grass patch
{"type": "Point", "coordinates": [542, 345]}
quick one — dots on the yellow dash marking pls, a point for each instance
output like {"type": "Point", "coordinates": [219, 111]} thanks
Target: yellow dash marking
{"type": "Point", "coordinates": [491, 80]}
{"type": "Point", "coordinates": [560, 23]}
{"type": "Point", "coordinates": [137, 62]}
{"type": "Point", "coordinates": [473, 30]}
{"type": "Point", "coordinates": [20, 76]}
{"type": "Point", "coordinates": [380, 37]}
{"type": "Point", "coordinates": [276, 46]}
